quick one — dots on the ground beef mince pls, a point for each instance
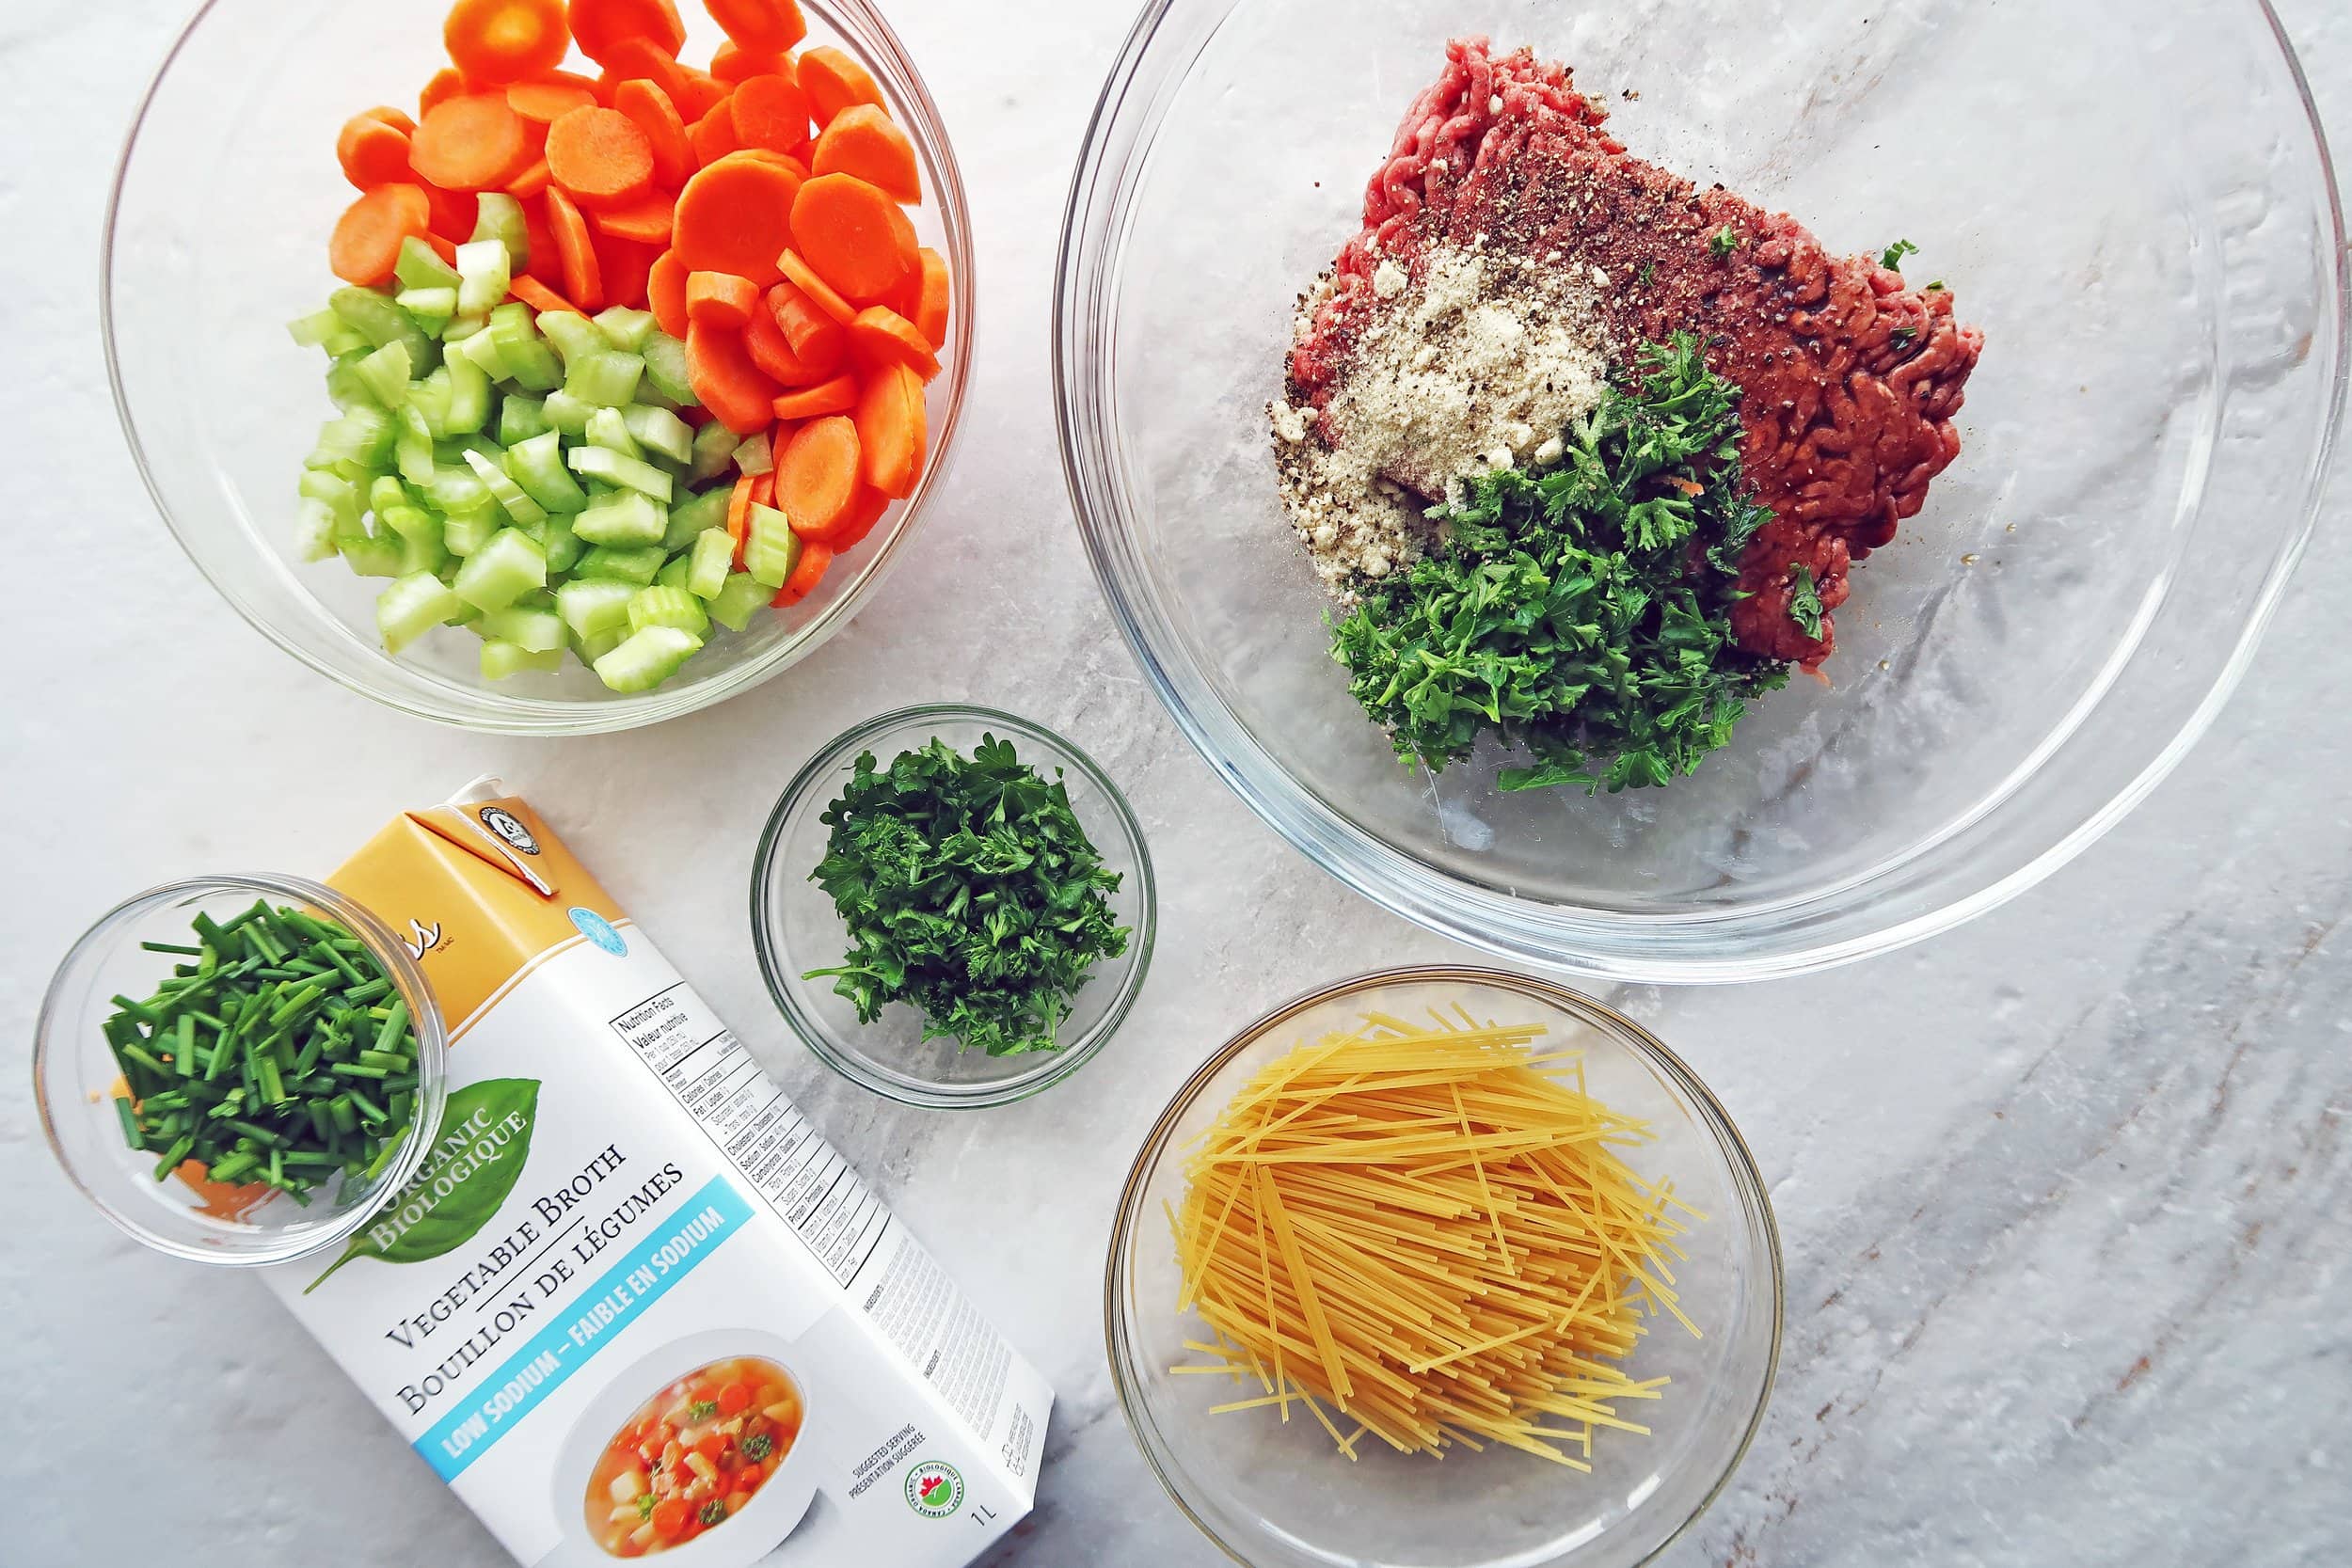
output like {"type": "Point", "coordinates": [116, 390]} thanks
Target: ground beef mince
{"type": "Point", "coordinates": [1852, 379]}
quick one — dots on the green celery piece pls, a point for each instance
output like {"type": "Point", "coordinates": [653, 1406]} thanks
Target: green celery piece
{"type": "Point", "coordinates": [385, 490]}
{"type": "Point", "coordinates": [469, 398]}
{"type": "Point", "coordinates": [563, 546]}
{"type": "Point", "coordinates": [574, 335]}
{"type": "Point", "coordinates": [665, 370]}
{"type": "Point", "coordinates": [377, 319]}
{"type": "Point", "coordinates": [347, 385]}
{"type": "Point", "coordinates": [607, 377]}
{"type": "Point", "coordinates": [314, 529]}
{"type": "Point", "coordinates": [528, 628]}
{"type": "Point", "coordinates": [754, 456]}
{"type": "Point", "coordinates": [647, 659]}
{"type": "Point", "coordinates": [466, 324]}
{"type": "Point", "coordinates": [659, 606]}
{"type": "Point", "coordinates": [409, 522]}
{"type": "Point", "coordinates": [626, 518]}
{"type": "Point", "coordinates": [714, 449]}
{"type": "Point", "coordinates": [660, 431]}
{"type": "Point", "coordinates": [499, 216]}
{"type": "Point", "coordinates": [371, 555]}
{"type": "Point", "coordinates": [706, 568]}
{"type": "Point", "coordinates": [386, 373]}
{"type": "Point", "coordinates": [340, 495]}
{"type": "Point", "coordinates": [431, 398]}
{"type": "Point", "coordinates": [610, 466]}
{"type": "Point", "coordinates": [505, 491]}
{"type": "Point", "coordinates": [483, 350]}
{"type": "Point", "coordinates": [315, 329]}
{"type": "Point", "coordinates": [464, 532]}
{"type": "Point", "coordinates": [536, 464]}
{"type": "Point", "coordinates": [500, 660]}
{"type": "Point", "coordinates": [520, 418]}
{"type": "Point", "coordinates": [412, 447]}
{"type": "Point", "coordinates": [430, 309]}
{"type": "Point", "coordinates": [454, 488]}
{"type": "Point", "coordinates": [624, 329]}
{"type": "Point", "coordinates": [703, 509]}
{"type": "Point", "coordinates": [608, 430]}
{"type": "Point", "coordinates": [771, 548]}
{"type": "Point", "coordinates": [590, 605]}
{"type": "Point", "coordinates": [423, 552]}
{"type": "Point", "coordinates": [672, 573]}
{"type": "Point", "coordinates": [741, 597]}
{"type": "Point", "coordinates": [482, 271]}
{"type": "Point", "coordinates": [567, 413]}
{"type": "Point", "coordinates": [594, 647]}
{"type": "Point", "coordinates": [419, 266]}
{"type": "Point", "coordinates": [535, 368]}
{"type": "Point", "coordinates": [635, 567]}
{"type": "Point", "coordinates": [362, 435]}
{"type": "Point", "coordinates": [502, 571]}
{"type": "Point", "coordinates": [411, 604]}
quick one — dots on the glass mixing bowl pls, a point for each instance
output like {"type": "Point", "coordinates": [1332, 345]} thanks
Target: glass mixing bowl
{"type": "Point", "coordinates": [1277, 1495]}
{"type": "Point", "coordinates": [217, 237]}
{"type": "Point", "coordinates": [2139, 215]}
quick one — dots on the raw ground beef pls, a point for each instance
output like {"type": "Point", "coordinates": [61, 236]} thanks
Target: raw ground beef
{"type": "Point", "coordinates": [1852, 379]}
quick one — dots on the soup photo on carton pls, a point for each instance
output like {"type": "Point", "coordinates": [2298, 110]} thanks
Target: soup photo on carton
{"type": "Point", "coordinates": [632, 1303]}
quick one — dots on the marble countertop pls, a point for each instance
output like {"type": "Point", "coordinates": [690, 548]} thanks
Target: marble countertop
{"type": "Point", "coordinates": [2078, 1296]}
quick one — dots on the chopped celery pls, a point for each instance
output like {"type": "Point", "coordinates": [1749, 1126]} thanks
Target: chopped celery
{"type": "Point", "coordinates": [737, 601]}
{"type": "Point", "coordinates": [378, 320]}
{"type": "Point", "coordinates": [647, 659]}
{"type": "Point", "coordinates": [483, 349]}
{"type": "Point", "coordinates": [499, 216]}
{"type": "Point", "coordinates": [362, 435]}
{"type": "Point", "coordinates": [536, 464]}
{"type": "Point", "coordinates": [464, 532]}
{"type": "Point", "coordinates": [672, 573]}
{"type": "Point", "coordinates": [771, 548]}
{"type": "Point", "coordinates": [521, 417]}
{"type": "Point", "coordinates": [347, 387]}
{"type": "Point", "coordinates": [454, 488]}
{"type": "Point", "coordinates": [623, 518]}
{"type": "Point", "coordinates": [534, 367]}
{"type": "Point", "coordinates": [385, 490]}
{"type": "Point", "coordinates": [589, 605]}
{"type": "Point", "coordinates": [501, 660]}
{"type": "Point", "coordinates": [430, 309]}
{"type": "Point", "coordinates": [340, 494]}
{"type": "Point", "coordinates": [430, 397]}
{"type": "Point", "coordinates": [423, 551]}
{"type": "Point", "coordinates": [660, 431]}
{"type": "Point", "coordinates": [614, 468]}
{"type": "Point", "coordinates": [668, 607]}
{"type": "Point", "coordinates": [386, 373]}
{"type": "Point", "coordinates": [624, 328]}
{"type": "Point", "coordinates": [752, 455]}
{"type": "Point", "coordinates": [502, 571]}
{"type": "Point", "coordinates": [325, 329]}
{"type": "Point", "coordinates": [371, 555]}
{"type": "Point", "coordinates": [574, 335]}
{"type": "Point", "coordinates": [706, 571]}
{"type": "Point", "coordinates": [469, 398]}
{"type": "Point", "coordinates": [714, 449]}
{"type": "Point", "coordinates": [419, 266]}
{"type": "Point", "coordinates": [608, 376]}
{"type": "Point", "coordinates": [608, 430]}
{"type": "Point", "coordinates": [314, 529]}
{"type": "Point", "coordinates": [465, 324]}
{"type": "Point", "coordinates": [410, 605]}
{"type": "Point", "coordinates": [412, 447]}
{"type": "Point", "coordinates": [508, 494]}
{"type": "Point", "coordinates": [635, 567]}
{"type": "Point", "coordinates": [567, 413]}
{"type": "Point", "coordinates": [482, 270]}
{"type": "Point", "coordinates": [527, 627]}
{"type": "Point", "coordinates": [706, 509]}
{"type": "Point", "coordinates": [592, 648]}
{"type": "Point", "coordinates": [665, 370]}
{"type": "Point", "coordinates": [562, 545]}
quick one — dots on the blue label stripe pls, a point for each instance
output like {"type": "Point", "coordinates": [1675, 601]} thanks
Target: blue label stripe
{"type": "Point", "coordinates": [695, 1231]}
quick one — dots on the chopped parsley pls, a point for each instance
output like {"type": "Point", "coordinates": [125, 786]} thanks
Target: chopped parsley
{"type": "Point", "coordinates": [713, 1511]}
{"type": "Point", "coordinates": [702, 1410]}
{"type": "Point", "coordinates": [1580, 612]}
{"type": "Point", "coordinates": [1903, 337]}
{"type": "Point", "coordinates": [1649, 272]}
{"type": "Point", "coordinates": [1936, 287]}
{"type": "Point", "coordinates": [1892, 256]}
{"type": "Point", "coordinates": [644, 1505]}
{"type": "Point", "coordinates": [1804, 602]}
{"type": "Point", "coordinates": [1722, 243]}
{"type": "Point", "coordinates": [758, 1445]}
{"type": "Point", "coordinates": [970, 890]}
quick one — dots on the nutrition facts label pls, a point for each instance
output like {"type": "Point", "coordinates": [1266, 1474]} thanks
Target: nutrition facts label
{"type": "Point", "coordinates": [775, 1147]}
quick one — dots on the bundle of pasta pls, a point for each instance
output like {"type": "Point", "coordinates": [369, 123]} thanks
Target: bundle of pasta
{"type": "Point", "coordinates": [1430, 1231]}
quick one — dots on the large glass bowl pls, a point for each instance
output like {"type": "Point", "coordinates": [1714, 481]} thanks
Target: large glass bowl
{"type": "Point", "coordinates": [217, 237]}
{"type": "Point", "coordinates": [1275, 1494]}
{"type": "Point", "coordinates": [2135, 207]}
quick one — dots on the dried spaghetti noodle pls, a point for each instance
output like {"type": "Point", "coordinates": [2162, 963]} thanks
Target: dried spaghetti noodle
{"type": "Point", "coordinates": [1426, 1234]}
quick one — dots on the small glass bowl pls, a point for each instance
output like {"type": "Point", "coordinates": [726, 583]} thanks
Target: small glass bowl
{"type": "Point", "coordinates": [794, 927]}
{"type": "Point", "coordinates": [75, 1076]}
{"type": "Point", "coordinates": [1279, 1496]}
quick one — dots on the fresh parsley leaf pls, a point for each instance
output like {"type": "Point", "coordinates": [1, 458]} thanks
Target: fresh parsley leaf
{"type": "Point", "coordinates": [644, 1505]}
{"type": "Point", "coordinates": [1903, 337]}
{"type": "Point", "coordinates": [1892, 256]}
{"type": "Point", "coordinates": [758, 1445]}
{"type": "Point", "coordinates": [702, 1410]}
{"type": "Point", "coordinates": [1722, 244]}
{"type": "Point", "coordinates": [1804, 602]}
{"type": "Point", "coordinates": [1650, 273]}
{"type": "Point", "coordinates": [1936, 287]}
{"type": "Point", "coordinates": [713, 1511]}
{"type": "Point", "coordinates": [970, 890]}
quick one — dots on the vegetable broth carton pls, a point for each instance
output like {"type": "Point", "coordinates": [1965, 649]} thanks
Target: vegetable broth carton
{"type": "Point", "coordinates": [633, 1304]}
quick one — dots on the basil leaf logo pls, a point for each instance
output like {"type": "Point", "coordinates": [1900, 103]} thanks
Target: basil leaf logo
{"type": "Point", "coordinates": [479, 1151]}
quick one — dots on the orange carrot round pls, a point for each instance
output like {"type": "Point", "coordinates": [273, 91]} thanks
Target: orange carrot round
{"type": "Point", "coordinates": [820, 294]}
{"type": "Point", "coordinates": [550, 98]}
{"type": "Point", "coordinates": [600, 26]}
{"type": "Point", "coordinates": [740, 514]}
{"type": "Point", "coordinates": [817, 474]}
{"type": "Point", "coordinates": [892, 430]}
{"type": "Point", "coordinates": [734, 63]}
{"type": "Point", "coordinates": [719, 298]}
{"type": "Point", "coordinates": [496, 41]}
{"type": "Point", "coordinates": [836, 396]}
{"type": "Point", "coordinates": [770, 27]}
{"type": "Point", "coordinates": [641, 60]}
{"type": "Point", "coordinates": [771, 112]}
{"type": "Point", "coordinates": [453, 212]}
{"type": "Point", "coordinates": [929, 306]}
{"type": "Point", "coordinates": [863, 141]}
{"type": "Point", "coordinates": [699, 92]}
{"type": "Point", "coordinates": [624, 265]}
{"type": "Point", "coordinates": [538, 295]}
{"type": "Point", "coordinates": [646, 220]}
{"type": "Point", "coordinates": [665, 292]}
{"type": "Point", "coordinates": [713, 136]}
{"type": "Point", "coordinates": [727, 381]}
{"type": "Point", "coordinates": [473, 142]}
{"type": "Point", "coordinates": [396, 119]}
{"type": "Point", "coordinates": [373, 152]}
{"type": "Point", "coordinates": [881, 335]}
{"type": "Point", "coordinates": [736, 215]}
{"type": "Point", "coordinates": [854, 235]}
{"type": "Point", "coordinates": [543, 264]}
{"type": "Point", "coordinates": [666, 132]}
{"type": "Point", "coordinates": [765, 341]}
{"type": "Point", "coordinates": [530, 182]}
{"type": "Point", "coordinates": [806, 572]}
{"type": "Point", "coordinates": [818, 340]}
{"type": "Point", "coordinates": [833, 81]}
{"type": "Point", "coordinates": [442, 85]}
{"type": "Point", "coordinates": [583, 281]}
{"type": "Point", "coordinates": [600, 157]}
{"type": "Point", "coordinates": [366, 237]}
{"type": "Point", "coordinates": [865, 511]}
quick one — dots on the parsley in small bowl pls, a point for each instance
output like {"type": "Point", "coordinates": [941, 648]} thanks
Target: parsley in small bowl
{"type": "Point", "coordinates": [953, 905]}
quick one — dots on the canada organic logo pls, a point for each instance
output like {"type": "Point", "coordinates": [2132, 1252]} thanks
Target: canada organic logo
{"type": "Point", "coordinates": [934, 1490]}
{"type": "Point", "coordinates": [509, 827]}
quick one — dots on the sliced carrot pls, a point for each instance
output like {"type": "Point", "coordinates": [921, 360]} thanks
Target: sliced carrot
{"type": "Point", "coordinates": [930, 302]}
{"type": "Point", "coordinates": [576, 253]}
{"type": "Point", "coordinates": [727, 381]}
{"type": "Point", "coordinates": [881, 335]}
{"type": "Point", "coordinates": [863, 141]}
{"type": "Point", "coordinates": [736, 215]}
{"type": "Point", "coordinates": [892, 430]}
{"type": "Point", "coordinates": [453, 212]}
{"type": "Point", "coordinates": [719, 298]}
{"type": "Point", "coordinates": [740, 516]}
{"type": "Point", "coordinates": [853, 234]}
{"type": "Point", "coordinates": [806, 572]}
{"type": "Point", "coordinates": [366, 237]}
{"type": "Point", "coordinates": [373, 152]}
{"type": "Point", "coordinates": [834, 82]}
{"type": "Point", "coordinates": [600, 26]}
{"type": "Point", "coordinates": [820, 294]}
{"type": "Point", "coordinates": [600, 157]}
{"type": "Point", "coordinates": [396, 119]}
{"type": "Point", "coordinates": [865, 511]}
{"type": "Point", "coordinates": [497, 42]}
{"type": "Point", "coordinates": [665, 292]}
{"type": "Point", "coordinates": [770, 27]}
{"type": "Point", "coordinates": [817, 340]}
{"type": "Point", "coordinates": [666, 132]}
{"type": "Point", "coordinates": [772, 351]}
{"type": "Point", "coordinates": [734, 63]}
{"type": "Point", "coordinates": [550, 99]}
{"type": "Point", "coordinates": [647, 220]}
{"type": "Point", "coordinates": [543, 264]}
{"type": "Point", "coordinates": [442, 85]}
{"type": "Point", "coordinates": [699, 92]}
{"type": "Point", "coordinates": [530, 182]}
{"type": "Point", "coordinates": [817, 474]}
{"type": "Point", "coordinates": [445, 249]}
{"type": "Point", "coordinates": [640, 59]}
{"type": "Point", "coordinates": [771, 112]}
{"type": "Point", "coordinates": [623, 265]}
{"type": "Point", "coordinates": [713, 136]}
{"type": "Point", "coordinates": [473, 142]}
{"type": "Point", "coordinates": [837, 396]}
{"type": "Point", "coordinates": [764, 488]}
{"type": "Point", "coordinates": [538, 295]}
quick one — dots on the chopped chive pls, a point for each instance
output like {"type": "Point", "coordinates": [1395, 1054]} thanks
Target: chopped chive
{"type": "Point", "coordinates": [130, 1134]}
{"type": "Point", "coordinates": [171, 948]}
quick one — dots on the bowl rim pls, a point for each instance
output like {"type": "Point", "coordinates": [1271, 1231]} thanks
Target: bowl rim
{"type": "Point", "coordinates": [50, 1039]}
{"type": "Point", "coordinates": [859, 23]}
{"type": "Point", "coordinates": [1579, 940]}
{"type": "Point", "coordinates": [1747, 1179]}
{"type": "Point", "coordinates": [769, 946]}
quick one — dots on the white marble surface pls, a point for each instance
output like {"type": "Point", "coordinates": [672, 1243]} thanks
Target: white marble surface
{"type": "Point", "coordinates": [2067, 1196]}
